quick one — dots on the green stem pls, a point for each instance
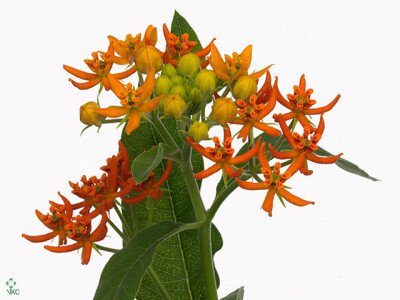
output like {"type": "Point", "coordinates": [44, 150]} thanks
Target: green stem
{"type": "Point", "coordinates": [157, 281]}
{"type": "Point", "coordinates": [225, 93]}
{"type": "Point", "coordinates": [120, 233]}
{"type": "Point", "coordinates": [124, 222]}
{"type": "Point", "coordinates": [163, 131]}
{"type": "Point", "coordinates": [100, 247]}
{"type": "Point", "coordinates": [204, 231]}
{"type": "Point", "coordinates": [112, 121]}
{"type": "Point", "coordinates": [141, 81]}
{"type": "Point", "coordinates": [150, 213]}
{"type": "Point", "coordinates": [134, 219]}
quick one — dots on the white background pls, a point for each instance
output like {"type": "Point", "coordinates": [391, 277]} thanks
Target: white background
{"type": "Point", "coordinates": [345, 247]}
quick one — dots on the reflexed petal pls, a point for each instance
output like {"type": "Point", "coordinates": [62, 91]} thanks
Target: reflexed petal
{"type": "Point", "coordinates": [218, 64]}
{"type": "Point", "coordinates": [231, 172]}
{"type": "Point", "coordinates": [282, 155]}
{"type": "Point", "coordinates": [267, 129]}
{"type": "Point", "coordinates": [262, 157]}
{"type": "Point", "coordinates": [208, 172]}
{"type": "Point", "coordinates": [67, 248]}
{"type": "Point", "coordinates": [246, 156]}
{"type": "Point", "coordinates": [136, 199]}
{"type": "Point", "coordinates": [323, 160]}
{"type": "Point", "coordinates": [40, 238]}
{"type": "Point", "coordinates": [113, 111]}
{"type": "Point", "coordinates": [150, 105]}
{"type": "Point", "coordinates": [251, 185]}
{"type": "Point", "coordinates": [320, 110]}
{"type": "Point", "coordinates": [269, 201]}
{"type": "Point", "coordinates": [292, 198]}
{"type": "Point", "coordinates": [85, 85]}
{"type": "Point", "coordinates": [133, 122]}
{"type": "Point", "coordinates": [199, 148]}
{"type": "Point", "coordinates": [164, 176]}
{"type": "Point", "coordinates": [80, 74]}
{"type": "Point", "coordinates": [148, 86]}
{"type": "Point", "coordinates": [124, 74]}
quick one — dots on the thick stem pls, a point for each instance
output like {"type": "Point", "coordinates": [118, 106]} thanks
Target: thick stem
{"type": "Point", "coordinates": [207, 262]}
{"type": "Point", "coordinates": [163, 131]}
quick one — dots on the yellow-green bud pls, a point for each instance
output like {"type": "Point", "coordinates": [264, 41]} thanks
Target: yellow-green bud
{"type": "Point", "coordinates": [88, 115]}
{"type": "Point", "coordinates": [199, 131]}
{"type": "Point", "coordinates": [195, 95]}
{"type": "Point", "coordinates": [205, 81]}
{"type": "Point", "coordinates": [169, 70]}
{"type": "Point", "coordinates": [189, 65]}
{"type": "Point", "coordinates": [244, 87]}
{"type": "Point", "coordinates": [180, 90]}
{"type": "Point", "coordinates": [163, 85]}
{"type": "Point", "coordinates": [177, 80]}
{"type": "Point", "coordinates": [147, 58]}
{"type": "Point", "coordinates": [174, 106]}
{"type": "Point", "coordinates": [224, 110]}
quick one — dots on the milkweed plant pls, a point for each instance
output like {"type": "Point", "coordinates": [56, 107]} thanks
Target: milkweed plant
{"type": "Point", "coordinates": [167, 99]}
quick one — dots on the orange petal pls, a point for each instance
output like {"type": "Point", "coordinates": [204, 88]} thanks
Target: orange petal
{"type": "Point", "coordinates": [62, 249]}
{"type": "Point", "coordinates": [292, 198]}
{"type": "Point", "coordinates": [136, 199]}
{"type": "Point", "coordinates": [203, 52]}
{"type": "Point", "coordinates": [244, 132]}
{"type": "Point", "coordinates": [200, 149]}
{"type": "Point", "coordinates": [148, 86]}
{"type": "Point", "coordinates": [124, 74]}
{"type": "Point", "coordinates": [80, 74]}
{"type": "Point", "coordinates": [208, 172]}
{"type": "Point", "coordinates": [40, 238]}
{"type": "Point", "coordinates": [150, 105]}
{"type": "Point", "coordinates": [282, 155]}
{"type": "Point", "coordinates": [320, 110]}
{"type": "Point", "coordinates": [262, 157]}
{"type": "Point", "coordinates": [218, 64]}
{"type": "Point", "coordinates": [285, 130]}
{"type": "Point", "coordinates": [164, 176]}
{"type": "Point", "coordinates": [321, 126]}
{"type": "Point", "coordinates": [133, 122]}
{"type": "Point", "coordinates": [251, 185]}
{"type": "Point", "coordinates": [231, 172]}
{"type": "Point", "coordinates": [246, 156]}
{"type": "Point", "coordinates": [267, 129]}
{"type": "Point", "coordinates": [297, 164]}
{"type": "Point", "coordinates": [269, 201]}
{"type": "Point", "coordinates": [85, 85]}
{"type": "Point", "coordinates": [113, 111]}
{"type": "Point", "coordinates": [260, 73]}
{"type": "Point", "coordinates": [323, 160]}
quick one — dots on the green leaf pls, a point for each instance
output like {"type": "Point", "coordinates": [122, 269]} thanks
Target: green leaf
{"type": "Point", "coordinates": [236, 295]}
{"type": "Point", "coordinates": [180, 26]}
{"type": "Point", "coordinates": [346, 165]}
{"type": "Point", "coordinates": [146, 162]}
{"type": "Point", "coordinates": [177, 260]}
{"type": "Point", "coordinates": [123, 273]}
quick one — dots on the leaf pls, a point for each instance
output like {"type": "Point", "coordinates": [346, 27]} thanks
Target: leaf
{"type": "Point", "coordinates": [123, 273]}
{"type": "Point", "coordinates": [146, 162]}
{"type": "Point", "coordinates": [177, 260]}
{"type": "Point", "coordinates": [346, 165]}
{"type": "Point", "coordinates": [236, 295]}
{"type": "Point", "coordinates": [180, 26]}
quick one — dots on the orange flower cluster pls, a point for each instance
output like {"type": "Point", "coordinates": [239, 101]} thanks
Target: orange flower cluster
{"type": "Point", "coordinates": [98, 197]}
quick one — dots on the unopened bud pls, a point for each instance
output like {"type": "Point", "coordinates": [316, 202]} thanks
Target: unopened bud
{"type": "Point", "coordinates": [177, 80]}
{"type": "Point", "coordinates": [244, 87]}
{"type": "Point", "coordinates": [174, 106]}
{"type": "Point", "coordinates": [88, 115]}
{"type": "Point", "coordinates": [195, 95]}
{"type": "Point", "coordinates": [205, 81]}
{"type": "Point", "coordinates": [199, 131]}
{"type": "Point", "coordinates": [189, 65]}
{"type": "Point", "coordinates": [180, 90]}
{"type": "Point", "coordinates": [163, 85]}
{"type": "Point", "coordinates": [147, 58]}
{"type": "Point", "coordinates": [224, 110]}
{"type": "Point", "coordinates": [169, 70]}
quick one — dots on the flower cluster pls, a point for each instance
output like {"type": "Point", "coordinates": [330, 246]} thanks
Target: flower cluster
{"type": "Point", "coordinates": [98, 196]}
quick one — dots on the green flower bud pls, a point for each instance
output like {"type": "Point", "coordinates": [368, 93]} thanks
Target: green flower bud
{"type": "Point", "coordinates": [195, 95]}
{"type": "Point", "coordinates": [180, 90]}
{"type": "Point", "coordinates": [88, 115]}
{"type": "Point", "coordinates": [189, 65]}
{"type": "Point", "coordinates": [174, 106]}
{"type": "Point", "coordinates": [163, 85]}
{"type": "Point", "coordinates": [169, 70]}
{"type": "Point", "coordinates": [205, 81]}
{"type": "Point", "coordinates": [244, 87]}
{"type": "Point", "coordinates": [224, 110]}
{"type": "Point", "coordinates": [199, 131]}
{"type": "Point", "coordinates": [177, 80]}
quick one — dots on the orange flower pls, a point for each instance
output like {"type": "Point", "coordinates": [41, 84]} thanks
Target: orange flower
{"type": "Point", "coordinates": [61, 216]}
{"type": "Point", "coordinates": [222, 155]}
{"type": "Point", "coordinates": [253, 111]}
{"type": "Point", "coordinates": [177, 47]}
{"type": "Point", "coordinates": [101, 191]}
{"type": "Point", "coordinates": [101, 70]}
{"type": "Point", "coordinates": [273, 183]}
{"type": "Point", "coordinates": [235, 66]}
{"type": "Point", "coordinates": [80, 231]}
{"type": "Point", "coordinates": [149, 187]}
{"type": "Point", "coordinates": [300, 104]}
{"type": "Point", "coordinates": [129, 49]}
{"type": "Point", "coordinates": [133, 102]}
{"type": "Point", "coordinates": [303, 147]}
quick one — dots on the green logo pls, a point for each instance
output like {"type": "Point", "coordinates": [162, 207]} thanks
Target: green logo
{"type": "Point", "coordinates": [11, 284]}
